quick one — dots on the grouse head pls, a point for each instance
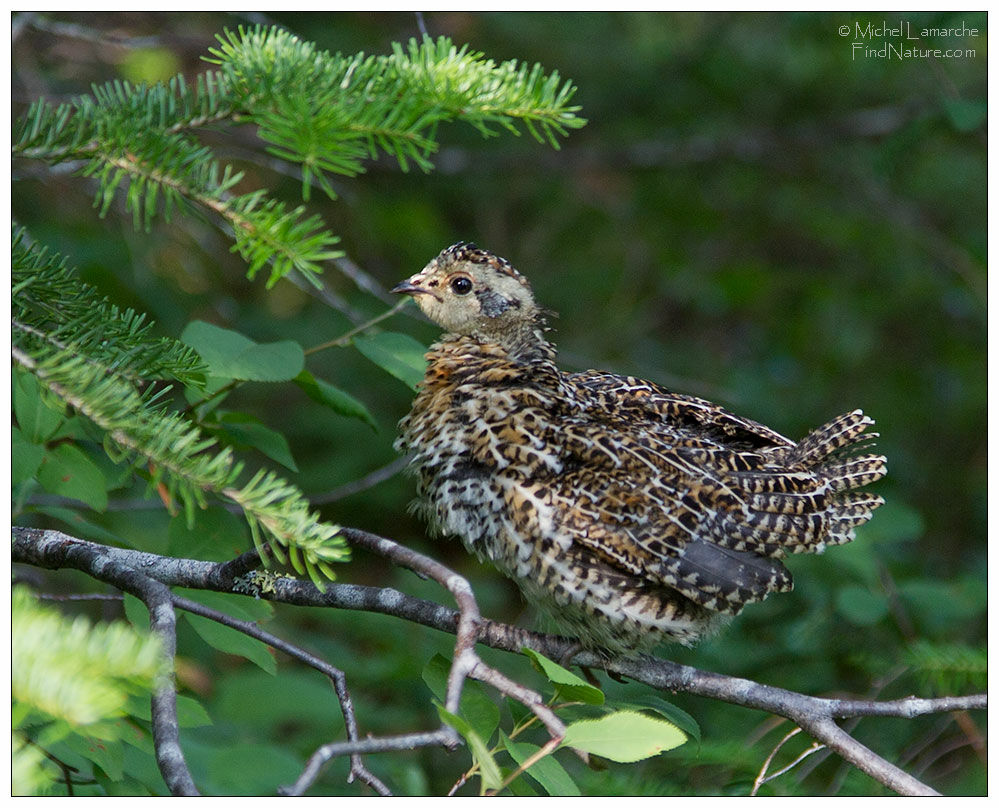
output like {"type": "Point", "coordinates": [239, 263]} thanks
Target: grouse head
{"type": "Point", "coordinates": [471, 292]}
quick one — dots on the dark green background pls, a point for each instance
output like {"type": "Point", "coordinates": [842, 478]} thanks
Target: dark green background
{"type": "Point", "coordinates": [751, 215]}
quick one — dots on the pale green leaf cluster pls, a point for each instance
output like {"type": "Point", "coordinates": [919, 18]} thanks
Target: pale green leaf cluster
{"type": "Point", "coordinates": [76, 687]}
{"type": "Point", "coordinates": [73, 671]}
{"type": "Point", "coordinates": [28, 776]}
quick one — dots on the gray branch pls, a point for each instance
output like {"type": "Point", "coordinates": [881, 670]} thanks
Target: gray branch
{"type": "Point", "coordinates": [816, 716]}
{"type": "Point", "coordinates": [162, 622]}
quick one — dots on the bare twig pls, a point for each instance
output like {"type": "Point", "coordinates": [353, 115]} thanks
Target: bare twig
{"type": "Point", "coordinates": [369, 480]}
{"type": "Point", "coordinates": [344, 339]}
{"type": "Point", "coordinates": [466, 660]}
{"type": "Point", "coordinates": [544, 751]}
{"type": "Point", "coordinates": [392, 743]}
{"type": "Point", "coordinates": [763, 777]}
{"type": "Point", "coordinates": [816, 716]}
{"type": "Point", "coordinates": [335, 675]}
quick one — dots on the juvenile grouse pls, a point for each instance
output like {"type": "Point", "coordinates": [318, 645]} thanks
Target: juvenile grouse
{"type": "Point", "coordinates": [632, 514]}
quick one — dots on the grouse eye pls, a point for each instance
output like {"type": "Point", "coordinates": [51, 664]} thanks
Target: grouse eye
{"type": "Point", "coordinates": [461, 285]}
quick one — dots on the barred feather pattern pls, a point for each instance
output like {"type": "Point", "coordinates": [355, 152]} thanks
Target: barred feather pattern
{"type": "Point", "coordinates": [633, 515]}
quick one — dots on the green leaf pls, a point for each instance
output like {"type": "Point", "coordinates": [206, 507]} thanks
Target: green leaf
{"type": "Point", "coordinates": [252, 610]}
{"type": "Point", "coordinates": [435, 674]}
{"type": "Point", "coordinates": [568, 685]}
{"type": "Point", "coordinates": [683, 720]}
{"type": "Point", "coordinates": [399, 354]}
{"type": "Point", "coordinates": [25, 457]}
{"type": "Point", "coordinates": [234, 356]}
{"type": "Point", "coordinates": [302, 697]}
{"type": "Point", "coordinates": [490, 772]}
{"type": "Point", "coordinates": [334, 398]}
{"type": "Point", "coordinates": [548, 772]}
{"type": "Point", "coordinates": [68, 472]}
{"type": "Point", "coordinates": [230, 641]}
{"type": "Point", "coordinates": [136, 612]}
{"type": "Point", "coordinates": [80, 526]}
{"type": "Point", "coordinates": [860, 605]}
{"type": "Point", "coordinates": [108, 755]}
{"type": "Point", "coordinates": [246, 431]}
{"type": "Point", "coordinates": [190, 713]}
{"type": "Point", "coordinates": [249, 769]}
{"type": "Point", "coordinates": [216, 534]}
{"type": "Point", "coordinates": [624, 736]}
{"type": "Point", "coordinates": [37, 420]}
{"type": "Point", "coordinates": [476, 707]}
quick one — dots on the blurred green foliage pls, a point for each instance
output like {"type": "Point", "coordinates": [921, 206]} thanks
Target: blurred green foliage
{"type": "Point", "coordinates": [755, 213]}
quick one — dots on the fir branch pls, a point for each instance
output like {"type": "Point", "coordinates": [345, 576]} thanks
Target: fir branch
{"type": "Point", "coordinates": [185, 461]}
{"type": "Point", "coordinates": [51, 306]}
{"type": "Point", "coordinates": [328, 113]}
{"type": "Point", "coordinates": [75, 130]}
{"type": "Point", "coordinates": [948, 666]}
{"type": "Point", "coordinates": [135, 138]}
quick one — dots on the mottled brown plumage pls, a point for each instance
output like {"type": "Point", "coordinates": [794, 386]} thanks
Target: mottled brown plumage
{"type": "Point", "coordinates": [632, 514]}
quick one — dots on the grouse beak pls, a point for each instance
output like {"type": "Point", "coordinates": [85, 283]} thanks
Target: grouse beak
{"type": "Point", "coordinates": [407, 287]}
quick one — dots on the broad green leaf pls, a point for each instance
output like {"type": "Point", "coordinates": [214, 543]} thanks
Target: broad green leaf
{"type": "Point", "coordinates": [334, 398]}
{"type": "Point", "coordinates": [520, 787]}
{"type": "Point", "coordinates": [237, 606]}
{"type": "Point", "coordinates": [79, 526]}
{"type": "Point", "coordinates": [548, 772]}
{"type": "Point", "coordinates": [190, 713]}
{"type": "Point", "coordinates": [399, 354]}
{"type": "Point", "coordinates": [234, 356]}
{"type": "Point", "coordinates": [860, 606]}
{"type": "Point", "coordinates": [624, 736]}
{"type": "Point", "coordinates": [37, 420]}
{"type": "Point", "coordinates": [109, 755]}
{"type": "Point", "coordinates": [248, 769]}
{"type": "Point", "coordinates": [68, 472]}
{"type": "Point", "coordinates": [476, 707]}
{"type": "Point", "coordinates": [683, 720]}
{"type": "Point", "coordinates": [136, 612]}
{"type": "Point", "coordinates": [246, 431]}
{"type": "Point", "coordinates": [490, 772]}
{"type": "Point", "coordinates": [25, 457]}
{"type": "Point", "coordinates": [298, 696]}
{"type": "Point", "coordinates": [230, 641]}
{"type": "Point", "coordinates": [568, 685]}
{"type": "Point", "coordinates": [215, 535]}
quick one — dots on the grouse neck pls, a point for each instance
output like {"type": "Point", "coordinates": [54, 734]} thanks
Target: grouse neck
{"type": "Point", "coordinates": [526, 346]}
